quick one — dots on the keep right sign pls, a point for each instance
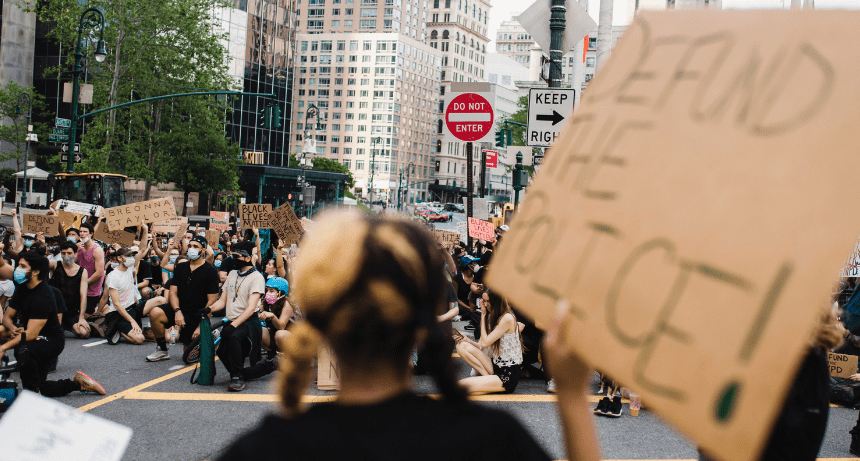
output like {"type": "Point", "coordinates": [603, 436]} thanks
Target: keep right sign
{"type": "Point", "coordinates": [548, 108]}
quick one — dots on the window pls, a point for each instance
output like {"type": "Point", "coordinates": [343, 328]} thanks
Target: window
{"type": "Point", "coordinates": [434, 35]}
{"type": "Point", "coordinates": [589, 62]}
{"type": "Point", "coordinates": [592, 43]}
{"type": "Point", "coordinates": [347, 23]}
{"type": "Point", "coordinates": [346, 162]}
{"type": "Point", "coordinates": [368, 12]}
{"type": "Point", "coordinates": [445, 35]}
{"type": "Point", "coordinates": [316, 24]}
{"type": "Point", "coordinates": [333, 150]}
{"type": "Point", "coordinates": [335, 24]}
{"type": "Point", "coordinates": [359, 164]}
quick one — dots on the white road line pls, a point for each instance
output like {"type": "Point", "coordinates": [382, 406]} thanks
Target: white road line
{"type": "Point", "coordinates": [96, 343]}
{"type": "Point", "coordinates": [176, 367]}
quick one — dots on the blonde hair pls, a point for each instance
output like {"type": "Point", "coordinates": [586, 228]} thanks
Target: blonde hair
{"type": "Point", "coordinates": [367, 284]}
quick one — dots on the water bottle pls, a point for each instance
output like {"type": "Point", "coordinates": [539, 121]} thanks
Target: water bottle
{"type": "Point", "coordinates": [173, 336]}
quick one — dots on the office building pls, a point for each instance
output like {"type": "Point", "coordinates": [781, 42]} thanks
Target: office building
{"type": "Point", "coordinates": [513, 41]}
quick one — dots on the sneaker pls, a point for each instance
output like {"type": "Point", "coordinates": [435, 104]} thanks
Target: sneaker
{"type": "Point", "coordinates": [854, 448]}
{"type": "Point", "coordinates": [237, 384]}
{"type": "Point", "coordinates": [550, 386]}
{"type": "Point", "coordinates": [614, 408]}
{"type": "Point", "coordinates": [158, 355]}
{"type": "Point", "coordinates": [114, 337]}
{"type": "Point", "coordinates": [88, 384]}
{"type": "Point", "coordinates": [602, 406]}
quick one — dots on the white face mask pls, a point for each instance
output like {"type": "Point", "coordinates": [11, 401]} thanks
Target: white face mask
{"type": "Point", "coordinates": [193, 254]}
{"type": "Point", "coordinates": [129, 261]}
{"type": "Point", "coordinates": [114, 265]}
{"type": "Point", "coordinates": [85, 240]}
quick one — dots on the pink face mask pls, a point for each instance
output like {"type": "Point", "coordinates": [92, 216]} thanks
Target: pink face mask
{"type": "Point", "coordinates": [271, 298]}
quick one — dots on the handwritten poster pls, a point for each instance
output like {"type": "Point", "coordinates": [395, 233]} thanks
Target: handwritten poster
{"type": "Point", "coordinates": [255, 215]}
{"type": "Point", "coordinates": [34, 223]}
{"type": "Point", "coordinates": [689, 213]}
{"type": "Point", "coordinates": [286, 224]}
{"type": "Point", "coordinates": [120, 217]}
{"type": "Point", "coordinates": [481, 229]}
{"type": "Point", "coordinates": [169, 226]}
{"type": "Point", "coordinates": [842, 365]}
{"type": "Point", "coordinates": [122, 237]}
{"type": "Point", "coordinates": [446, 237]}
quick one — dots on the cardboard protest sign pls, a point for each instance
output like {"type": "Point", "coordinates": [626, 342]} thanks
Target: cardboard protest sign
{"type": "Point", "coordinates": [255, 215]}
{"type": "Point", "coordinates": [442, 236]}
{"type": "Point", "coordinates": [122, 237]}
{"type": "Point", "coordinates": [327, 371]}
{"type": "Point", "coordinates": [481, 229]}
{"type": "Point", "coordinates": [160, 209]}
{"type": "Point", "coordinates": [463, 230]}
{"type": "Point", "coordinates": [219, 220]}
{"type": "Point", "coordinates": [169, 226]}
{"type": "Point", "coordinates": [180, 233]}
{"type": "Point", "coordinates": [851, 268]}
{"type": "Point", "coordinates": [286, 224]}
{"type": "Point", "coordinates": [219, 214]}
{"type": "Point", "coordinates": [688, 213]}
{"type": "Point", "coordinates": [37, 428]}
{"type": "Point", "coordinates": [34, 223]}
{"type": "Point", "coordinates": [212, 238]}
{"type": "Point", "coordinates": [308, 225]}
{"type": "Point", "coordinates": [842, 365]}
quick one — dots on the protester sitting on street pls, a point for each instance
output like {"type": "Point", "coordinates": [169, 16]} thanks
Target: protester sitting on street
{"type": "Point", "coordinates": [34, 305]}
{"type": "Point", "coordinates": [276, 314]}
{"type": "Point", "coordinates": [241, 337]}
{"type": "Point", "coordinates": [500, 337]}
{"type": "Point", "coordinates": [143, 271]}
{"type": "Point", "coordinates": [71, 280]}
{"type": "Point", "coordinates": [92, 258]}
{"type": "Point", "coordinates": [372, 307]}
{"type": "Point", "coordinates": [122, 316]}
{"type": "Point", "coordinates": [193, 288]}
{"type": "Point", "coordinates": [463, 281]}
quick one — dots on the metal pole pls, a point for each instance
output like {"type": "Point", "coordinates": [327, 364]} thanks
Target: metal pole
{"type": "Point", "coordinates": [556, 26]}
{"type": "Point", "coordinates": [372, 164]}
{"type": "Point", "coordinates": [95, 19]}
{"type": "Point", "coordinates": [517, 186]}
{"type": "Point", "coordinates": [400, 190]}
{"type": "Point", "coordinates": [469, 188]}
{"type": "Point", "coordinates": [25, 97]}
{"type": "Point", "coordinates": [483, 188]}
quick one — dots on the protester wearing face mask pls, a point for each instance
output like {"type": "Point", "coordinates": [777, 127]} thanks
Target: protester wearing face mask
{"type": "Point", "coordinates": [34, 305]}
{"type": "Point", "coordinates": [73, 235]}
{"type": "Point", "coordinates": [194, 286]}
{"type": "Point", "coordinates": [241, 337]}
{"type": "Point", "coordinates": [92, 258]}
{"type": "Point", "coordinates": [122, 317]}
{"type": "Point", "coordinates": [71, 280]}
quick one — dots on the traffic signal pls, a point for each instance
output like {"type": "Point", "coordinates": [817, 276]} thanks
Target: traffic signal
{"type": "Point", "coordinates": [264, 117]}
{"type": "Point", "coordinates": [276, 116]}
{"type": "Point", "coordinates": [510, 136]}
{"type": "Point", "coordinates": [500, 138]}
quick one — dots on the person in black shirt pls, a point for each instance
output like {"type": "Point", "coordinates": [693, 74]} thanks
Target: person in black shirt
{"type": "Point", "coordinates": [35, 306]}
{"type": "Point", "coordinates": [194, 286]}
{"type": "Point", "coordinates": [374, 305]}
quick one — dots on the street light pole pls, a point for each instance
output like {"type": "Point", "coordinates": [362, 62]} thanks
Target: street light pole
{"type": "Point", "coordinates": [308, 149]}
{"type": "Point", "coordinates": [372, 166]}
{"type": "Point", "coordinates": [518, 168]}
{"type": "Point", "coordinates": [94, 18]}
{"type": "Point", "coordinates": [25, 98]}
{"type": "Point", "coordinates": [556, 27]}
{"type": "Point", "coordinates": [400, 190]}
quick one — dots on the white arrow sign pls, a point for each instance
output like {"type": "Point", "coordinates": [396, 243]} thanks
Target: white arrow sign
{"type": "Point", "coordinates": [65, 147]}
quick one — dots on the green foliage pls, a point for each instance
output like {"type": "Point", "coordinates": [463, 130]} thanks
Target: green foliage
{"type": "Point", "coordinates": [7, 177]}
{"type": "Point", "coordinates": [15, 133]}
{"type": "Point", "coordinates": [324, 164]}
{"type": "Point", "coordinates": [155, 48]}
{"type": "Point", "coordinates": [520, 116]}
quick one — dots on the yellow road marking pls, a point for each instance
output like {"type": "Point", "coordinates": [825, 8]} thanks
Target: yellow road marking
{"type": "Point", "coordinates": [221, 397]}
{"type": "Point", "coordinates": [131, 390]}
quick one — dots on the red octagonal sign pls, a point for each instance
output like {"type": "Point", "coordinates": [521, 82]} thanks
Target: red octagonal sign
{"type": "Point", "coordinates": [469, 117]}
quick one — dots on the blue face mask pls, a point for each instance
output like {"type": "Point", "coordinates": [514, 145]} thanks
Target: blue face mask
{"type": "Point", "coordinates": [28, 243]}
{"type": "Point", "coordinates": [20, 275]}
{"type": "Point", "coordinates": [218, 263]}
{"type": "Point", "coordinates": [72, 239]}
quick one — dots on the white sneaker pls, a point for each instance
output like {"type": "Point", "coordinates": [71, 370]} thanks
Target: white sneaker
{"type": "Point", "coordinates": [158, 355]}
{"type": "Point", "coordinates": [550, 386]}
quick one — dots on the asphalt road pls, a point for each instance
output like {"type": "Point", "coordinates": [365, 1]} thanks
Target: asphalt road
{"type": "Point", "coordinates": [167, 413]}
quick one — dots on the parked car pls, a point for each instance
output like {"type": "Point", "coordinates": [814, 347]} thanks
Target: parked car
{"type": "Point", "coordinates": [438, 217]}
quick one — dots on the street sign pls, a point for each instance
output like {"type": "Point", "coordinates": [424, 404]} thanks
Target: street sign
{"type": "Point", "coordinates": [62, 122]}
{"type": "Point", "coordinates": [492, 158]}
{"type": "Point", "coordinates": [548, 108]}
{"type": "Point", "coordinates": [60, 131]}
{"type": "Point", "coordinates": [65, 147]}
{"type": "Point", "coordinates": [58, 138]}
{"type": "Point", "coordinates": [65, 158]}
{"type": "Point", "coordinates": [578, 24]}
{"type": "Point", "coordinates": [538, 159]}
{"type": "Point", "coordinates": [469, 117]}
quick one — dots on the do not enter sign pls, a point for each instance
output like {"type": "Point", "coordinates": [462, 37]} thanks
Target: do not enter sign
{"type": "Point", "coordinates": [469, 117]}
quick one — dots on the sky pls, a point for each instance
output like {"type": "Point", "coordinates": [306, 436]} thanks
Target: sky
{"type": "Point", "coordinates": [502, 9]}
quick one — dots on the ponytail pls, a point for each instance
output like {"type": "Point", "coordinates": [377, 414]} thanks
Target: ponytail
{"type": "Point", "coordinates": [296, 366]}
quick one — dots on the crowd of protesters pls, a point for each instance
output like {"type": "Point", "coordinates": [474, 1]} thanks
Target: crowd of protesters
{"type": "Point", "coordinates": [388, 292]}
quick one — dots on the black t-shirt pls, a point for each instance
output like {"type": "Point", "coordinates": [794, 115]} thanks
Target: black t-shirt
{"type": "Point", "coordinates": [400, 428]}
{"type": "Point", "coordinates": [144, 271]}
{"type": "Point", "coordinates": [463, 288]}
{"type": "Point", "coordinates": [58, 298]}
{"type": "Point", "coordinates": [38, 303]}
{"type": "Point", "coordinates": [194, 286]}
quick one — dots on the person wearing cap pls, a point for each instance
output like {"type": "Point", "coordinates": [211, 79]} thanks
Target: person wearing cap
{"type": "Point", "coordinates": [241, 294]}
{"type": "Point", "coordinates": [123, 297]}
{"type": "Point", "coordinates": [463, 281]}
{"type": "Point", "coordinates": [144, 273]}
{"type": "Point", "coordinates": [194, 287]}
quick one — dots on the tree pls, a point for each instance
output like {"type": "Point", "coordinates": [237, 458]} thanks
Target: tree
{"type": "Point", "coordinates": [324, 164]}
{"type": "Point", "coordinates": [519, 132]}
{"type": "Point", "coordinates": [15, 132]}
{"type": "Point", "coordinates": [155, 48]}
{"type": "Point", "coordinates": [200, 158]}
